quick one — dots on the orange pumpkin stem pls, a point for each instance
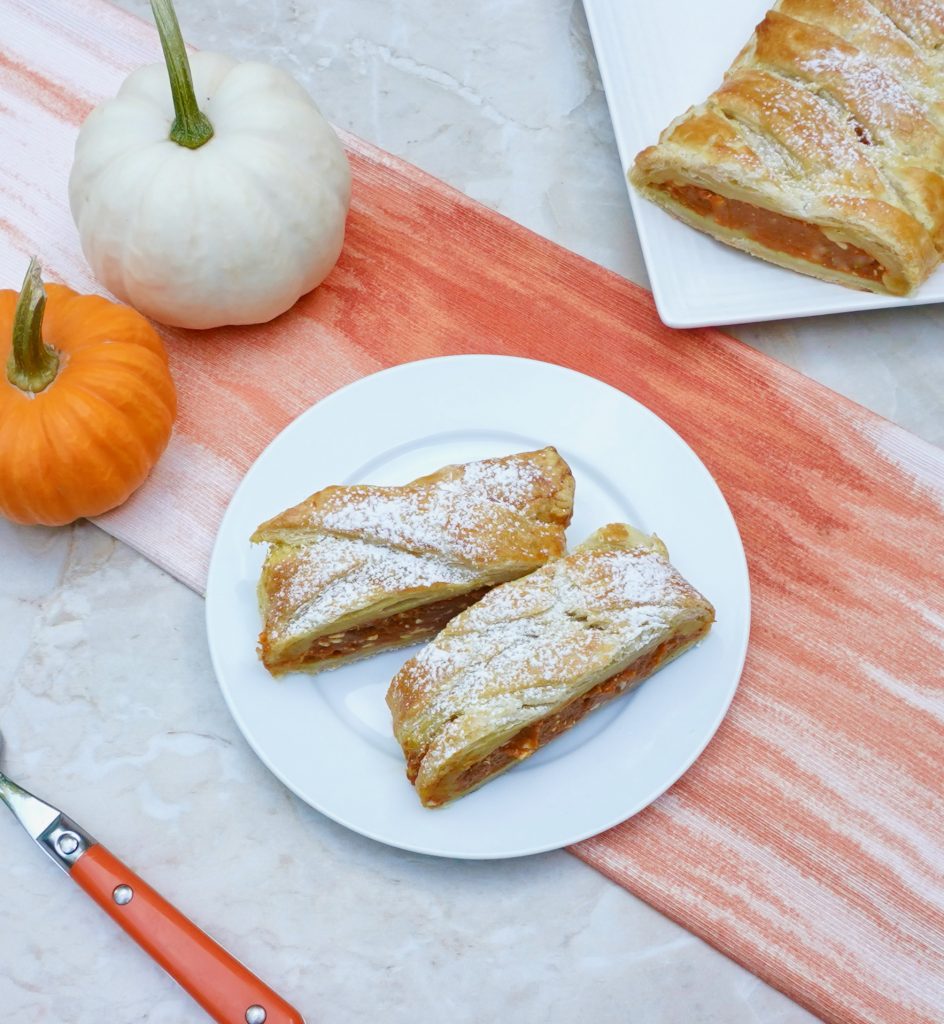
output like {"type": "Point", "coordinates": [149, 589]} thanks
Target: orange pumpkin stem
{"type": "Point", "coordinates": [32, 365]}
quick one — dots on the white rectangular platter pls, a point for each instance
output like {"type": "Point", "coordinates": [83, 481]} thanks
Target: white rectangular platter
{"type": "Point", "coordinates": [656, 60]}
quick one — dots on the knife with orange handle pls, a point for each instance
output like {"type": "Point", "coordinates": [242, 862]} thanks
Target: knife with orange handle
{"type": "Point", "coordinates": [228, 991]}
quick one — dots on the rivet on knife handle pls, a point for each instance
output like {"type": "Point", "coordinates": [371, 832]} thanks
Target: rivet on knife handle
{"type": "Point", "coordinates": [227, 990]}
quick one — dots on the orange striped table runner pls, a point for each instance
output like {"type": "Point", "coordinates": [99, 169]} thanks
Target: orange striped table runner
{"type": "Point", "coordinates": [808, 840]}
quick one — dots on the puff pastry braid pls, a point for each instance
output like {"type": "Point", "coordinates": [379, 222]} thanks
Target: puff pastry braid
{"type": "Point", "coordinates": [822, 150]}
{"type": "Point", "coordinates": [356, 570]}
{"type": "Point", "coordinates": [536, 655]}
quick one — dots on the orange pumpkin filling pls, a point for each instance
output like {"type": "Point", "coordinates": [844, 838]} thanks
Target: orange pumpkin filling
{"type": "Point", "coordinates": [408, 627]}
{"type": "Point", "coordinates": [775, 231]}
{"type": "Point", "coordinates": [529, 739]}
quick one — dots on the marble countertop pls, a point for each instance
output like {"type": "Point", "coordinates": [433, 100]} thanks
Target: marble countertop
{"type": "Point", "coordinates": [107, 699]}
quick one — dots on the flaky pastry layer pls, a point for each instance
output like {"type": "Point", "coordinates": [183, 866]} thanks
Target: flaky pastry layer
{"type": "Point", "coordinates": [830, 117]}
{"type": "Point", "coordinates": [355, 570]}
{"type": "Point", "coordinates": [536, 655]}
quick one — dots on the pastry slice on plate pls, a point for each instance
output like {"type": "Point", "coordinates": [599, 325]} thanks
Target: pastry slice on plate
{"type": "Point", "coordinates": [352, 571]}
{"type": "Point", "coordinates": [822, 150]}
{"type": "Point", "coordinates": [536, 655]}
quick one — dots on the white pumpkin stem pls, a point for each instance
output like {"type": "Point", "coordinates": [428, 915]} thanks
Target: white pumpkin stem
{"type": "Point", "coordinates": [191, 127]}
{"type": "Point", "coordinates": [32, 365]}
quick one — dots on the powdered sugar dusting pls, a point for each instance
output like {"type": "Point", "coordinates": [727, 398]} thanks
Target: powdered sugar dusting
{"type": "Point", "coordinates": [461, 528]}
{"type": "Point", "coordinates": [795, 119]}
{"type": "Point", "coordinates": [881, 99]}
{"type": "Point", "coordinates": [836, 104]}
{"type": "Point", "coordinates": [823, 146]}
{"type": "Point", "coordinates": [335, 576]}
{"type": "Point", "coordinates": [464, 512]}
{"type": "Point", "coordinates": [503, 481]}
{"type": "Point", "coordinates": [920, 20]}
{"type": "Point", "coordinates": [505, 662]}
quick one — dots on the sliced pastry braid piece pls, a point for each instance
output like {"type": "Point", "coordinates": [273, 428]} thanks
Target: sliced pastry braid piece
{"type": "Point", "coordinates": [536, 655]}
{"type": "Point", "coordinates": [822, 150]}
{"type": "Point", "coordinates": [356, 570]}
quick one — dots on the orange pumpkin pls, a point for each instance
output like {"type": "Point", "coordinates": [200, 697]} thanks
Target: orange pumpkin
{"type": "Point", "coordinates": [86, 404]}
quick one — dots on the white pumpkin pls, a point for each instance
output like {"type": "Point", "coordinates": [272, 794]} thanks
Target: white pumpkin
{"type": "Point", "coordinates": [229, 225]}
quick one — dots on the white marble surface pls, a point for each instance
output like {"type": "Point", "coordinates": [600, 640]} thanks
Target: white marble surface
{"type": "Point", "coordinates": [107, 699]}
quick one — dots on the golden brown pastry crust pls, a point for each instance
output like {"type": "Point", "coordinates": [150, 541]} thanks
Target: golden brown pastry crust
{"type": "Point", "coordinates": [830, 116]}
{"type": "Point", "coordinates": [534, 656]}
{"type": "Point", "coordinates": [352, 571]}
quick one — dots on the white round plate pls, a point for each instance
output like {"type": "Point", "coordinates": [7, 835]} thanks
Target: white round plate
{"type": "Point", "coordinates": [328, 737]}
